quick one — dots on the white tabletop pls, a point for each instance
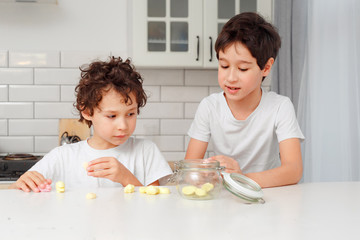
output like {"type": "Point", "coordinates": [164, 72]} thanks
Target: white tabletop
{"type": "Point", "coordinates": [304, 211]}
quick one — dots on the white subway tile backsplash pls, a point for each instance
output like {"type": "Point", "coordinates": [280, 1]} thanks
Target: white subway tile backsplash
{"type": "Point", "coordinates": [33, 127]}
{"type": "Point", "coordinates": [3, 58]}
{"type": "Point", "coordinates": [55, 110]}
{"type": "Point", "coordinates": [183, 94]}
{"type": "Point", "coordinates": [3, 93]}
{"type": "Point", "coordinates": [34, 59]}
{"type": "Point", "coordinates": [68, 93]}
{"type": "Point", "coordinates": [3, 127]}
{"type": "Point", "coordinates": [201, 78]}
{"type": "Point", "coordinates": [190, 109]}
{"type": "Point", "coordinates": [57, 76]}
{"type": "Point", "coordinates": [167, 143]}
{"type": "Point", "coordinates": [147, 127]}
{"type": "Point", "coordinates": [214, 90]}
{"type": "Point", "coordinates": [46, 144]}
{"type": "Point", "coordinates": [16, 144]}
{"type": "Point", "coordinates": [162, 110]}
{"type": "Point", "coordinates": [162, 76]}
{"type": "Point", "coordinates": [16, 76]}
{"type": "Point", "coordinates": [267, 81]}
{"type": "Point", "coordinates": [16, 110]}
{"type": "Point", "coordinates": [153, 93]}
{"type": "Point", "coordinates": [37, 93]}
{"type": "Point", "coordinates": [174, 126]}
{"type": "Point", "coordinates": [76, 59]}
{"type": "Point", "coordinates": [37, 89]}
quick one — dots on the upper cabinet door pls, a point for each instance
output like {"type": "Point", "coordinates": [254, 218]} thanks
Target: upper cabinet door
{"type": "Point", "coordinates": [167, 33]}
{"type": "Point", "coordinates": [182, 33]}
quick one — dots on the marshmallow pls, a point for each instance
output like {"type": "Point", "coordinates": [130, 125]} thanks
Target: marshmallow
{"type": "Point", "coordinates": [85, 165]}
{"type": "Point", "coordinates": [200, 192]}
{"type": "Point", "coordinates": [164, 190]}
{"type": "Point", "coordinates": [207, 187]}
{"type": "Point", "coordinates": [60, 187]}
{"type": "Point", "coordinates": [152, 190]}
{"type": "Point", "coordinates": [129, 188]}
{"type": "Point", "coordinates": [90, 196]}
{"type": "Point", "coordinates": [188, 190]}
{"type": "Point", "coordinates": [142, 189]}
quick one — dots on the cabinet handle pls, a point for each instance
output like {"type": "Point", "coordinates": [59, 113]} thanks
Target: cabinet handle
{"type": "Point", "coordinates": [198, 48]}
{"type": "Point", "coordinates": [211, 52]}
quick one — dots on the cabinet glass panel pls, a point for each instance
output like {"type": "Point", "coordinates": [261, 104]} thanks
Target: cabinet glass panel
{"type": "Point", "coordinates": [226, 9]}
{"type": "Point", "coordinates": [156, 8]}
{"type": "Point", "coordinates": [156, 36]}
{"type": "Point", "coordinates": [179, 8]}
{"type": "Point", "coordinates": [179, 37]}
{"type": "Point", "coordinates": [247, 6]}
{"type": "Point", "coordinates": [220, 26]}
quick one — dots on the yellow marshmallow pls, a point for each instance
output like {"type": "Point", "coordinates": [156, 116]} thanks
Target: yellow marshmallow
{"type": "Point", "coordinates": [207, 187]}
{"type": "Point", "coordinates": [90, 196]}
{"type": "Point", "coordinates": [164, 190]}
{"type": "Point", "coordinates": [188, 190]}
{"type": "Point", "coordinates": [152, 190]}
{"type": "Point", "coordinates": [129, 188]}
{"type": "Point", "coordinates": [200, 192]}
{"type": "Point", "coordinates": [142, 189]}
{"type": "Point", "coordinates": [85, 165]}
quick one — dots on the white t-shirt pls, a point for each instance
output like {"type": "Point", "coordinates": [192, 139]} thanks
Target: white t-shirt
{"type": "Point", "coordinates": [139, 156]}
{"type": "Point", "coordinates": [252, 142]}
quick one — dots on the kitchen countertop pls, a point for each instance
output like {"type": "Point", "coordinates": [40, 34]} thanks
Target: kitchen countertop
{"type": "Point", "coordinates": [303, 211]}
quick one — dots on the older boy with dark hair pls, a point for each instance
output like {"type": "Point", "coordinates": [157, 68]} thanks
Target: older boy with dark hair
{"type": "Point", "coordinates": [253, 132]}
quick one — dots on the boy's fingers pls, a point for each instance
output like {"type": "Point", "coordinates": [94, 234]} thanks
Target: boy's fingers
{"type": "Point", "coordinates": [22, 186]}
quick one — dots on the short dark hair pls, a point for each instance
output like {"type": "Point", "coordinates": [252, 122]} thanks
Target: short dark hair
{"type": "Point", "coordinates": [249, 28]}
{"type": "Point", "coordinates": [99, 77]}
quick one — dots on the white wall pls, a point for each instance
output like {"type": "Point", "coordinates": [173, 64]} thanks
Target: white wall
{"type": "Point", "coordinates": [69, 25]}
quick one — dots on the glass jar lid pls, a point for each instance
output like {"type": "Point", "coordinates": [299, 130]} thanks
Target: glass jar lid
{"type": "Point", "coordinates": [243, 187]}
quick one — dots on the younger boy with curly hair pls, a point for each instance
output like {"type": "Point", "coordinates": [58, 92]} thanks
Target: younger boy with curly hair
{"type": "Point", "coordinates": [109, 96]}
{"type": "Point", "coordinates": [253, 132]}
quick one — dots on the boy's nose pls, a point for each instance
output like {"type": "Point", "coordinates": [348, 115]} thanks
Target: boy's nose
{"type": "Point", "coordinates": [122, 124]}
{"type": "Point", "coordinates": [232, 76]}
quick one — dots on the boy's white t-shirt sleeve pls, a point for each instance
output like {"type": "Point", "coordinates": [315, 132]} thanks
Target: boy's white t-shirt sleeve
{"type": "Point", "coordinates": [155, 165]}
{"type": "Point", "coordinates": [200, 127]}
{"type": "Point", "coordinates": [47, 165]}
{"type": "Point", "coordinates": [286, 123]}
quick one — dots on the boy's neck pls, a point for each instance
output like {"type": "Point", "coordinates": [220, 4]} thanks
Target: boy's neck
{"type": "Point", "coordinates": [93, 143]}
{"type": "Point", "coordinates": [243, 108]}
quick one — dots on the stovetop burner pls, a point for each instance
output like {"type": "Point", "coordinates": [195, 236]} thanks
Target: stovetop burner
{"type": "Point", "coordinates": [20, 156]}
{"type": "Point", "coordinates": [12, 166]}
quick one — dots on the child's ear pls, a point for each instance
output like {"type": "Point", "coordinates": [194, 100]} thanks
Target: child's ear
{"type": "Point", "coordinates": [268, 66]}
{"type": "Point", "coordinates": [86, 115]}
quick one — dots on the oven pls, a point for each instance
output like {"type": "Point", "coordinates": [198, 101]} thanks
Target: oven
{"type": "Point", "coordinates": [12, 166]}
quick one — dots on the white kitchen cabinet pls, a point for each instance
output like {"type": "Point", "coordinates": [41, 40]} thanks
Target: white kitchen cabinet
{"type": "Point", "coordinates": [182, 33]}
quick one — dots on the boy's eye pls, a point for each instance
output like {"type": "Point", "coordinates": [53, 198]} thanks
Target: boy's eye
{"type": "Point", "coordinates": [224, 67]}
{"type": "Point", "coordinates": [111, 116]}
{"type": "Point", "coordinates": [131, 114]}
{"type": "Point", "coordinates": [243, 69]}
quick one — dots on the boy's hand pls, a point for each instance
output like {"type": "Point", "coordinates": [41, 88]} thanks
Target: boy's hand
{"type": "Point", "coordinates": [112, 169]}
{"type": "Point", "coordinates": [230, 164]}
{"type": "Point", "coordinates": [31, 181]}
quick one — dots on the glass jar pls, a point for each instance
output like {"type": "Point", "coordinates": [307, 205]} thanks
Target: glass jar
{"type": "Point", "coordinates": [198, 179]}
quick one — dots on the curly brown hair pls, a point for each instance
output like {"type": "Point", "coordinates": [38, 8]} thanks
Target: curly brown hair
{"type": "Point", "coordinates": [99, 77]}
{"type": "Point", "coordinates": [249, 28]}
